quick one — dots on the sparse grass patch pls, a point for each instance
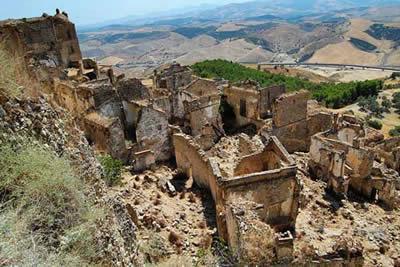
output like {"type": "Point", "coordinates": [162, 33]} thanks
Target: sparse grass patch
{"type": "Point", "coordinates": [257, 245]}
{"type": "Point", "coordinates": [12, 74]}
{"type": "Point", "coordinates": [8, 75]}
{"type": "Point", "coordinates": [177, 260]}
{"type": "Point", "coordinates": [206, 258]}
{"type": "Point", "coordinates": [46, 217]}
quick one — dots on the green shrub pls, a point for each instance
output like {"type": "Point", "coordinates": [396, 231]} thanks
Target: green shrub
{"type": "Point", "coordinates": [395, 131]}
{"type": "Point", "coordinates": [375, 124]}
{"type": "Point", "coordinates": [372, 105]}
{"type": "Point", "coordinates": [335, 95]}
{"type": "Point", "coordinates": [386, 104]}
{"type": "Point", "coordinates": [46, 217]}
{"type": "Point", "coordinates": [112, 169]}
{"type": "Point", "coordinates": [396, 101]}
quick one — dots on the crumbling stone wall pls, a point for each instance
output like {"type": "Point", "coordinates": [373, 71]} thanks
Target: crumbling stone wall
{"type": "Point", "coordinates": [297, 136]}
{"type": "Point", "coordinates": [132, 89]}
{"type": "Point", "coordinates": [205, 119]}
{"type": "Point", "coordinates": [177, 99]}
{"type": "Point", "coordinates": [251, 239]}
{"type": "Point", "coordinates": [172, 77]}
{"type": "Point", "coordinates": [153, 133]}
{"type": "Point", "coordinates": [277, 196]}
{"type": "Point", "coordinates": [163, 103]}
{"type": "Point", "coordinates": [77, 100]}
{"type": "Point", "coordinates": [347, 165]}
{"type": "Point", "coordinates": [106, 134]}
{"type": "Point", "coordinates": [106, 100]}
{"type": "Point", "coordinates": [290, 108]}
{"type": "Point", "coordinates": [245, 103]}
{"type": "Point", "coordinates": [267, 98]}
{"type": "Point", "coordinates": [196, 89]}
{"type": "Point", "coordinates": [202, 87]}
{"type": "Point", "coordinates": [191, 160]}
{"type": "Point", "coordinates": [251, 103]}
{"type": "Point", "coordinates": [276, 191]}
{"type": "Point", "coordinates": [258, 162]}
{"type": "Point", "coordinates": [389, 152]}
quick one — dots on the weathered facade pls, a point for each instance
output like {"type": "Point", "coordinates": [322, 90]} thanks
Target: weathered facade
{"type": "Point", "coordinates": [251, 103]}
{"type": "Point", "coordinates": [340, 157]}
{"type": "Point", "coordinates": [106, 134]}
{"type": "Point", "coordinates": [51, 40]}
{"type": "Point", "coordinates": [202, 111]}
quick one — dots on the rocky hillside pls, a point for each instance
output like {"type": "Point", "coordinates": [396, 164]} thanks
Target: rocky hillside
{"type": "Point", "coordinates": [53, 201]}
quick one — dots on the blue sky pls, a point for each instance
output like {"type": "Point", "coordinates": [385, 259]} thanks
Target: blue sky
{"type": "Point", "coordinates": [92, 11]}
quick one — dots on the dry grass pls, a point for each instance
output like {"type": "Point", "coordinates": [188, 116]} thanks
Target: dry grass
{"type": "Point", "coordinates": [46, 218]}
{"type": "Point", "coordinates": [9, 66]}
{"type": "Point", "coordinates": [257, 244]}
{"type": "Point", "coordinates": [155, 249]}
{"type": "Point", "coordinates": [14, 78]}
{"type": "Point", "coordinates": [175, 261]}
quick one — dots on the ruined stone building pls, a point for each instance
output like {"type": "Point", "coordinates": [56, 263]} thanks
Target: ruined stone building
{"type": "Point", "coordinates": [341, 157]}
{"type": "Point", "coordinates": [242, 170]}
{"type": "Point", "coordinates": [172, 76]}
{"type": "Point", "coordinates": [388, 151]}
{"type": "Point", "coordinates": [251, 103]}
{"type": "Point", "coordinates": [294, 122]}
{"type": "Point", "coordinates": [51, 40]}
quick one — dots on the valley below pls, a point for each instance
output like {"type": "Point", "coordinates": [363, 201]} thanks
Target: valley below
{"type": "Point", "coordinates": [352, 36]}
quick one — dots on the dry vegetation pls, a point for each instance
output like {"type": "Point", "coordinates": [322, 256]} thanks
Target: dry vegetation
{"type": "Point", "coordinates": [257, 244]}
{"type": "Point", "coordinates": [46, 217]}
{"type": "Point", "coordinates": [9, 74]}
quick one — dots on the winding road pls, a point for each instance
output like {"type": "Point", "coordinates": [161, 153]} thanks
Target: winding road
{"type": "Point", "coordinates": [331, 65]}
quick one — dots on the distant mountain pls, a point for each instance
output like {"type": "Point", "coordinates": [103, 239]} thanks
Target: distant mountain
{"type": "Point", "coordinates": [287, 8]}
{"type": "Point", "coordinates": [328, 31]}
{"type": "Point", "coordinates": [253, 9]}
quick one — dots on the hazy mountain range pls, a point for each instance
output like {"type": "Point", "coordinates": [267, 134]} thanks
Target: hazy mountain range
{"type": "Point", "coordinates": [283, 8]}
{"type": "Point", "coordinates": [331, 31]}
